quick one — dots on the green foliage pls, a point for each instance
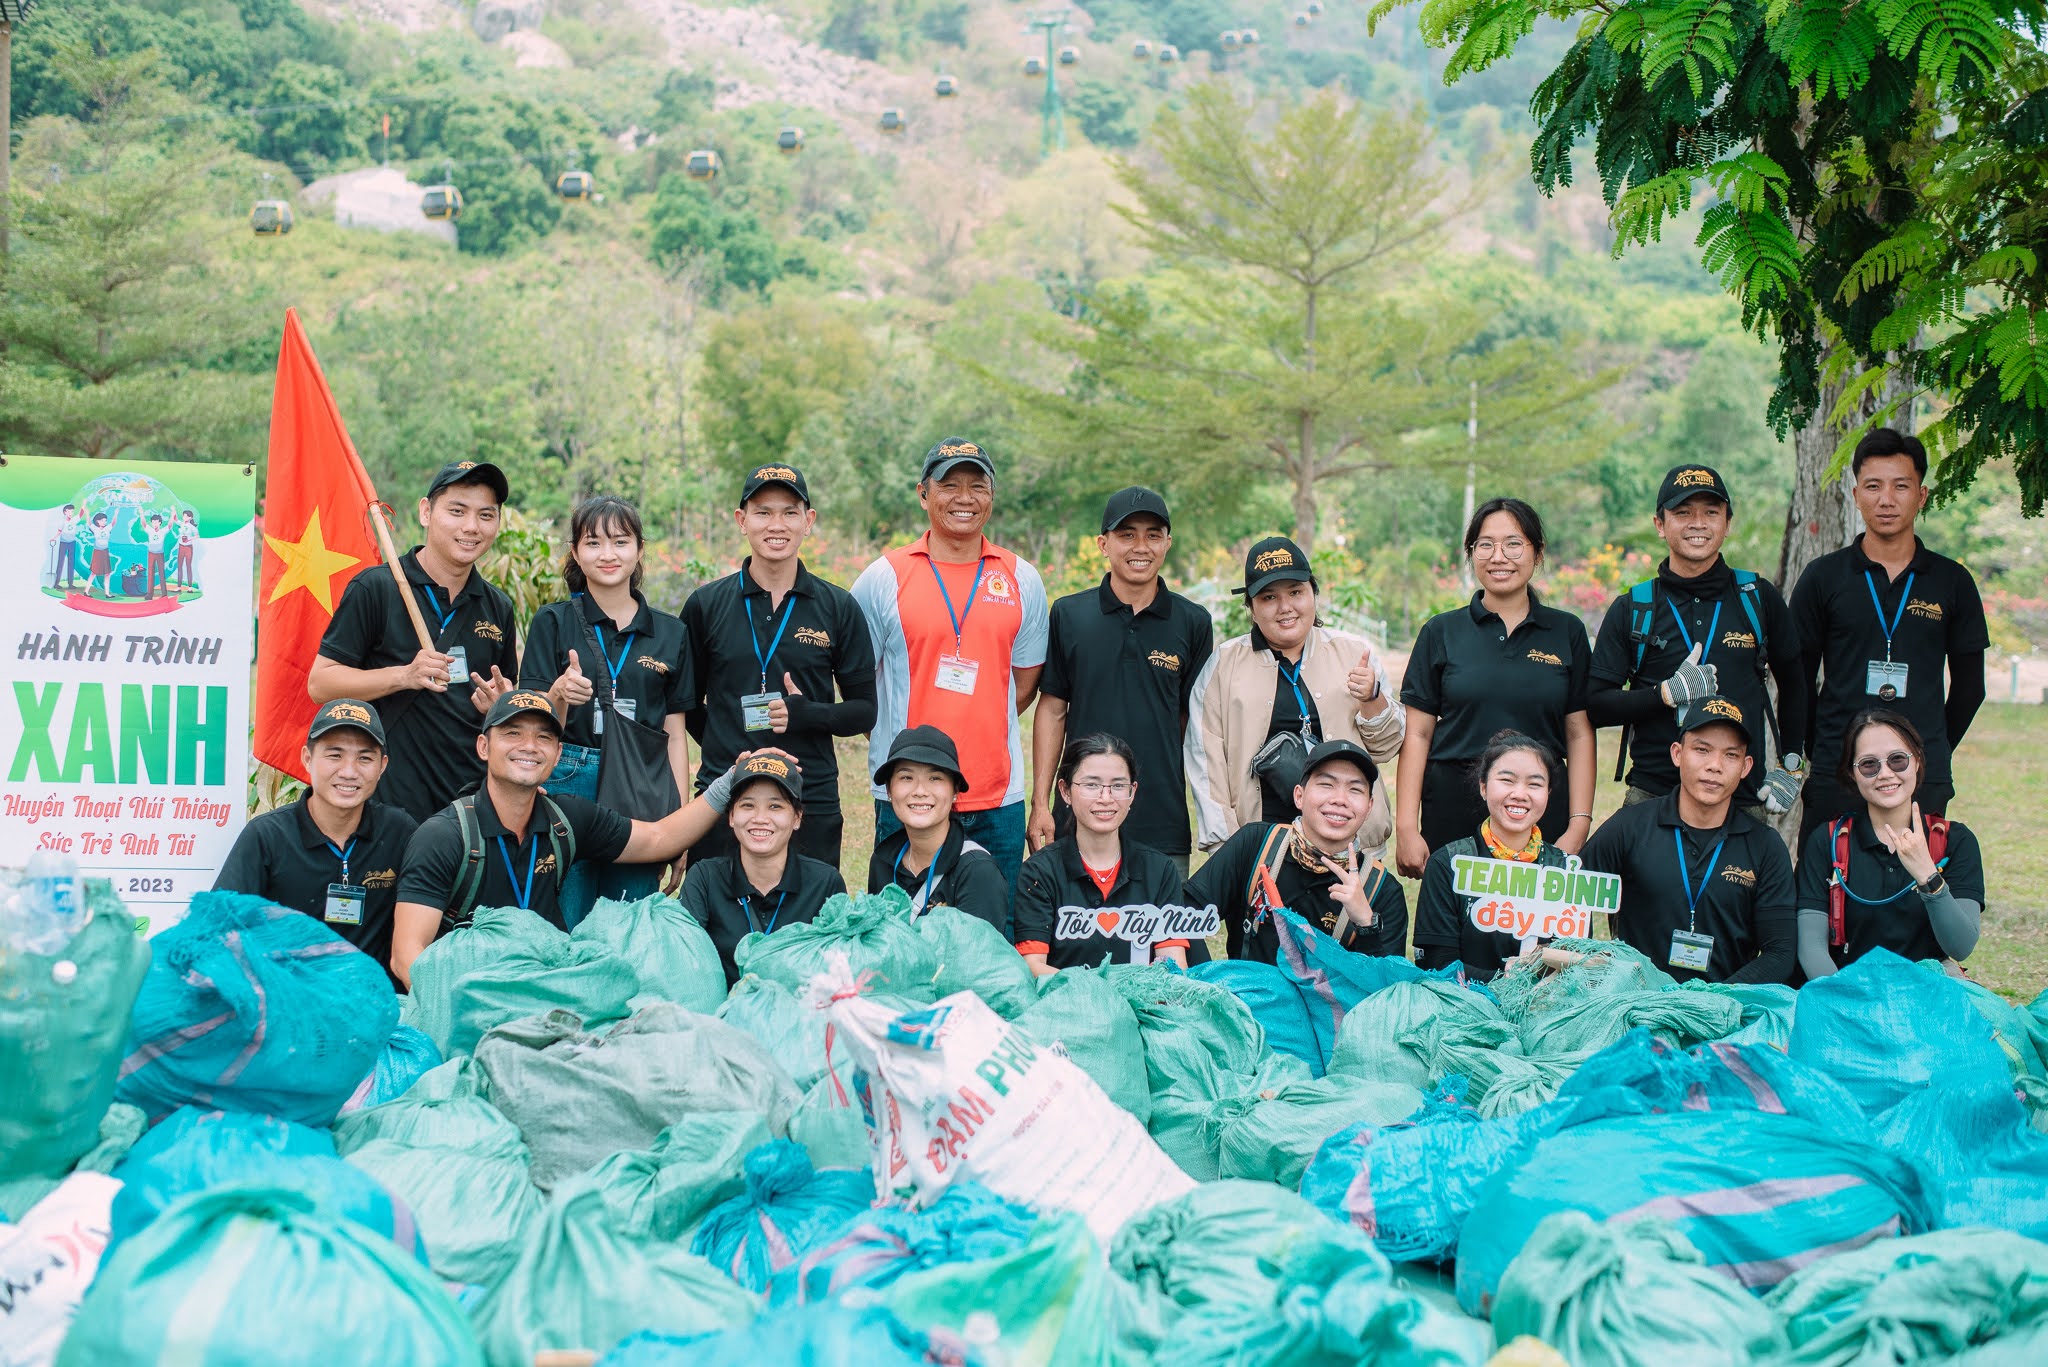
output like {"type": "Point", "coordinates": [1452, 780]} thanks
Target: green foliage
{"type": "Point", "coordinates": [307, 123]}
{"type": "Point", "coordinates": [692, 221]}
{"type": "Point", "coordinates": [1106, 113]}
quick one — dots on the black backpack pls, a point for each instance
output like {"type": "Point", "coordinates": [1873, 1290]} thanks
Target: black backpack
{"type": "Point", "coordinates": [468, 882]}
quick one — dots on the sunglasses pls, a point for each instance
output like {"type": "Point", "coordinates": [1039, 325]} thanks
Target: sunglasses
{"type": "Point", "coordinates": [1898, 761]}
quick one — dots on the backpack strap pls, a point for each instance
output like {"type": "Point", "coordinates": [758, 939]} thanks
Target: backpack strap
{"type": "Point", "coordinates": [1262, 883]}
{"type": "Point", "coordinates": [562, 838]}
{"type": "Point", "coordinates": [469, 879]}
{"type": "Point", "coordinates": [1642, 608]}
{"type": "Point", "coordinates": [1937, 839]}
{"type": "Point", "coordinates": [1838, 891]}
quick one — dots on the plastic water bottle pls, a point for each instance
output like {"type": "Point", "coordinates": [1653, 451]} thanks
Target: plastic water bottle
{"type": "Point", "coordinates": [42, 909]}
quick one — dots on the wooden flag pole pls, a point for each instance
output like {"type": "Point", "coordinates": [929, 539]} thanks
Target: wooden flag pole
{"type": "Point", "coordinates": [380, 526]}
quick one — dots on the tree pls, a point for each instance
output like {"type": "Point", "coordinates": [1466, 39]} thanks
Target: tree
{"type": "Point", "coordinates": [769, 371]}
{"type": "Point", "coordinates": [691, 220]}
{"type": "Point", "coordinates": [1877, 183]}
{"type": "Point", "coordinates": [115, 308]}
{"type": "Point", "coordinates": [306, 125]}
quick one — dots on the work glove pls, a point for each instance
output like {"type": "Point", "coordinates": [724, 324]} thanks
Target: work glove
{"type": "Point", "coordinates": [1692, 682]}
{"type": "Point", "coordinates": [1781, 786]}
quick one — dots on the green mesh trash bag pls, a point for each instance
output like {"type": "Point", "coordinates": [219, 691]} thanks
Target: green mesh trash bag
{"type": "Point", "coordinates": [1392, 1036]}
{"type": "Point", "coordinates": [1081, 1011]}
{"type": "Point", "coordinates": [829, 1125]}
{"type": "Point", "coordinates": [670, 951]}
{"type": "Point", "coordinates": [1621, 1295]}
{"type": "Point", "coordinates": [1596, 1020]}
{"type": "Point", "coordinates": [581, 977]}
{"type": "Point", "coordinates": [242, 1275]}
{"type": "Point", "coordinates": [1181, 1118]}
{"type": "Point", "coordinates": [1530, 992]}
{"type": "Point", "coordinates": [1766, 1010]}
{"type": "Point", "coordinates": [873, 931]}
{"type": "Point", "coordinates": [492, 933]}
{"type": "Point", "coordinates": [974, 957]}
{"type": "Point", "coordinates": [61, 1034]}
{"type": "Point", "coordinates": [1270, 1136]}
{"type": "Point", "coordinates": [437, 1109]}
{"type": "Point", "coordinates": [778, 1021]}
{"type": "Point", "coordinates": [120, 1128]}
{"type": "Point", "coordinates": [1191, 1029]}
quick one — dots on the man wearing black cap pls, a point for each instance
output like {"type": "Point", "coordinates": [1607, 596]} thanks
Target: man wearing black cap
{"type": "Point", "coordinates": [1698, 628]}
{"type": "Point", "coordinates": [771, 643]}
{"type": "Point", "coordinates": [1121, 659]}
{"type": "Point", "coordinates": [335, 853]}
{"type": "Point", "coordinates": [959, 627]}
{"type": "Point", "coordinates": [1706, 889]}
{"type": "Point", "coordinates": [433, 696]}
{"type": "Point", "coordinates": [765, 883]}
{"type": "Point", "coordinates": [511, 844]}
{"type": "Point", "coordinates": [1313, 866]}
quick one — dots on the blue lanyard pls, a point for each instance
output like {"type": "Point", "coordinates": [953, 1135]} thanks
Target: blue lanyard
{"type": "Point", "coordinates": [1300, 700]}
{"type": "Point", "coordinates": [1692, 899]}
{"type": "Point", "coordinates": [1686, 636]}
{"type": "Point", "coordinates": [959, 619]}
{"type": "Point", "coordinates": [625, 645]}
{"type": "Point", "coordinates": [1840, 879]}
{"type": "Point", "coordinates": [343, 854]}
{"type": "Point", "coordinates": [434, 602]}
{"type": "Point", "coordinates": [930, 873]}
{"type": "Point", "coordinates": [1870, 582]}
{"type": "Point", "coordinates": [533, 852]}
{"type": "Point", "coordinates": [747, 907]}
{"type": "Point", "coordinates": [789, 611]}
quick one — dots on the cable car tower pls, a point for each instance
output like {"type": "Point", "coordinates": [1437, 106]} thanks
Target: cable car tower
{"type": "Point", "coordinates": [1052, 136]}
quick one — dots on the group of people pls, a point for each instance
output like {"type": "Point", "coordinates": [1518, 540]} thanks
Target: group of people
{"type": "Point", "coordinates": [459, 772]}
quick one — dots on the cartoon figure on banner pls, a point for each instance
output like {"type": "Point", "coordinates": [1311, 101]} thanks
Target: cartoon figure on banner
{"type": "Point", "coordinates": [136, 542]}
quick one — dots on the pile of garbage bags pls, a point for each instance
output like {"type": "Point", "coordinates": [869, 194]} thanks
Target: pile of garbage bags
{"type": "Point", "coordinates": [889, 1143]}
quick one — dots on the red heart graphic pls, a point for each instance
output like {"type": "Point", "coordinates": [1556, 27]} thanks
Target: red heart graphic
{"type": "Point", "coordinates": [1108, 920]}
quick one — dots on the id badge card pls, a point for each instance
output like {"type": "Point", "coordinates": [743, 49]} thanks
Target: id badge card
{"type": "Point", "coordinates": [754, 710]}
{"type": "Point", "coordinates": [626, 707]}
{"type": "Point", "coordinates": [1691, 950]}
{"type": "Point", "coordinates": [1886, 680]}
{"type": "Point", "coordinates": [458, 668]}
{"type": "Point", "coordinates": [957, 674]}
{"type": "Point", "coordinates": [345, 904]}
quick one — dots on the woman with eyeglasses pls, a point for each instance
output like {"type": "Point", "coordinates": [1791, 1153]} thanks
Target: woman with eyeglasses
{"type": "Point", "coordinates": [1093, 868]}
{"type": "Point", "coordinates": [1884, 875]}
{"type": "Point", "coordinates": [1503, 662]}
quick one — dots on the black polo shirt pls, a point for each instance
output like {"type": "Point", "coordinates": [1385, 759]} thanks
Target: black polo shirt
{"type": "Point", "coordinates": [436, 855]}
{"type": "Point", "coordinates": [824, 646]}
{"type": "Point", "coordinates": [717, 893]}
{"type": "Point", "coordinates": [1128, 673]}
{"type": "Point", "coordinates": [1942, 617]}
{"type": "Point", "coordinates": [1224, 882]}
{"type": "Point", "coordinates": [1745, 904]}
{"type": "Point", "coordinates": [282, 856]}
{"type": "Point", "coordinates": [431, 737]}
{"type": "Point", "coordinates": [1892, 913]}
{"type": "Point", "coordinates": [960, 877]}
{"type": "Point", "coordinates": [1442, 913]}
{"type": "Point", "coordinates": [1706, 609]}
{"type": "Point", "coordinates": [1055, 877]}
{"type": "Point", "coordinates": [652, 659]}
{"type": "Point", "coordinates": [1477, 678]}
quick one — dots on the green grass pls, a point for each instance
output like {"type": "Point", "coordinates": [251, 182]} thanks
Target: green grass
{"type": "Point", "coordinates": [2002, 766]}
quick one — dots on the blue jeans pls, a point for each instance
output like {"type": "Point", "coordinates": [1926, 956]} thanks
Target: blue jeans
{"type": "Point", "coordinates": [575, 775]}
{"type": "Point", "coordinates": [1000, 831]}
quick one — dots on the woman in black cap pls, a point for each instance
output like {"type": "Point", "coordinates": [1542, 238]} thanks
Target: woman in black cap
{"type": "Point", "coordinates": [930, 858]}
{"type": "Point", "coordinates": [766, 884]}
{"type": "Point", "coordinates": [1267, 698]}
{"type": "Point", "coordinates": [1503, 661]}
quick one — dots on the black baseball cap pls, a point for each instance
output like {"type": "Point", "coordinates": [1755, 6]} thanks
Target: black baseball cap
{"type": "Point", "coordinates": [346, 712]}
{"type": "Point", "coordinates": [1272, 561]}
{"type": "Point", "coordinates": [951, 452]}
{"type": "Point", "coordinates": [776, 770]}
{"type": "Point", "coordinates": [763, 476]}
{"type": "Point", "coordinates": [1126, 504]}
{"type": "Point", "coordinates": [1715, 710]}
{"type": "Point", "coordinates": [1681, 482]}
{"type": "Point", "coordinates": [518, 703]}
{"type": "Point", "coordinates": [924, 745]}
{"type": "Point", "coordinates": [472, 472]}
{"type": "Point", "coordinates": [1344, 751]}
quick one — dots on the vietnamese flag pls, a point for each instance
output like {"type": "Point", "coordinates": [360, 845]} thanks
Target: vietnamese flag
{"type": "Point", "coordinates": [315, 538]}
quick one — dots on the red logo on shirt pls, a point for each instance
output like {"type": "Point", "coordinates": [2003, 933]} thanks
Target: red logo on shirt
{"type": "Point", "coordinates": [998, 585]}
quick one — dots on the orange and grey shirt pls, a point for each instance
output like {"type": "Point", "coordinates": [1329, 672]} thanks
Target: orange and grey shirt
{"type": "Point", "coordinates": [946, 637]}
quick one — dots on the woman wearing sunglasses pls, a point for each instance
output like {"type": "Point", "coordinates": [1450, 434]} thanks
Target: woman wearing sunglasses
{"type": "Point", "coordinates": [1883, 874]}
{"type": "Point", "coordinates": [1093, 868]}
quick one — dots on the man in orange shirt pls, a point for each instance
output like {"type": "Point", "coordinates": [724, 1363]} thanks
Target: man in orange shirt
{"type": "Point", "coordinates": [959, 626]}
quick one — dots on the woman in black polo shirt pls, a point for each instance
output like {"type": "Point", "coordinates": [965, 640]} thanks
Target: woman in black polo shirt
{"type": "Point", "coordinates": [1504, 661]}
{"type": "Point", "coordinates": [764, 884]}
{"type": "Point", "coordinates": [1885, 875]}
{"type": "Point", "coordinates": [606, 630]}
{"type": "Point", "coordinates": [1514, 777]}
{"type": "Point", "coordinates": [1094, 867]}
{"type": "Point", "coordinates": [930, 858]}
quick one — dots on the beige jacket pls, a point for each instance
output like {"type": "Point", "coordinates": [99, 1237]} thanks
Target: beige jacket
{"type": "Point", "coordinates": [1232, 706]}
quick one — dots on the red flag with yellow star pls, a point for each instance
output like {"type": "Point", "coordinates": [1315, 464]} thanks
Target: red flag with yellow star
{"type": "Point", "coordinates": [316, 537]}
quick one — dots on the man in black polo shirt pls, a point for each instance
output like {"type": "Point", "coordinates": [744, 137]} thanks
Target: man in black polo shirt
{"type": "Point", "coordinates": [1706, 889]}
{"type": "Point", "coordinates": [1121, 659]}
{"type": "Point", "coordinates": [1879, 622]}
{"type": "Point", "coordinates": [1698, 628]}
{"type": "Point", "coordinates": [510, 844]}
{"type": "Point", "coordinates": [431, 698]}
{"type": "Point", "coordinates": [771, 643]}
{"type": "Point", "coordinates": [335, 853]}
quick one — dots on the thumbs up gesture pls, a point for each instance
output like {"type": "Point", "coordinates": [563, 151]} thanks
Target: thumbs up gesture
{"type": "Point", "coordinates": [574, 685]}
{"type": "Point", "coordinates": [1363, 682]}
{"type": "Point", "coordinates": [778, 711]}
{"type": "Point", "coordinates": [1691, 681]}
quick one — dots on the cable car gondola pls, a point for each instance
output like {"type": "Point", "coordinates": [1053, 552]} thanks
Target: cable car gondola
{"type": "Point", "coordinates": [945, 87]}
{"type": "Point", "coordinates": [1168, 53]}
{"type": "Point", "coordinates": [1229, 40]}
{"type": "Point", "coordinates": [702, 165]}
{"type": "Point", "coordinates": [270, 218]}
{"type": "Point", "coordinates": [893, 121]}
{"type": "Point", "coordinates": [1033, 67]}
{"type": "Point", "coordinates": [573, 185]}
{"type": "Point", "coordinates": [1248, 37]}
{"type": "Point", "coordinates": [790, 140]}
{"type": "Point", "coordinates": [1301, 19]}
{"type": "Point", "coordinates": [1069, 56]}
{"type": "Point", "coordinates": [1315, 9]}
{"type": "Point", "coordinates": [441, 203]}
{"type": "Point", "coordinates": [1141, 50]}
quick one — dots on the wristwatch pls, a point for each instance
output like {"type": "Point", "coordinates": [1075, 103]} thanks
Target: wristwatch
{"type": "Point", "coordinates": [1793, 763]}
{"type": "Point", "coordinates": [1934, 885]}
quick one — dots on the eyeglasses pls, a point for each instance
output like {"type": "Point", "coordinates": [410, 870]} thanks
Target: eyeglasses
{"type": "Point", "coordinates": [1514, 548]}
{"type": "Point", "coordinates": [1091, 788]}
{"type": "Point", "coordinates": [1898, 761]}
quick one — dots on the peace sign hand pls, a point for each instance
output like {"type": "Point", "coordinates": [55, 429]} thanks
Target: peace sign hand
{"type": "Point", "coordinates": [1349, 890]}
{"type": "Point", "coordinates": [1910, 845]}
